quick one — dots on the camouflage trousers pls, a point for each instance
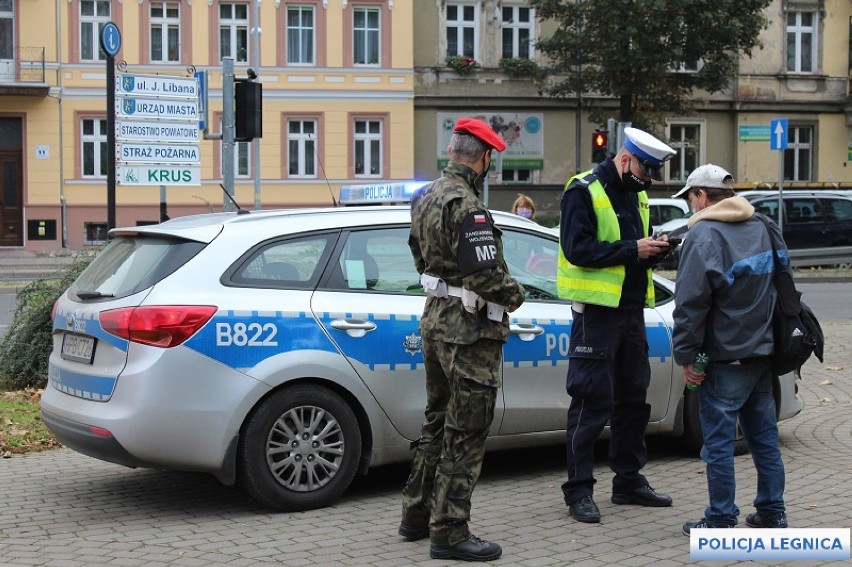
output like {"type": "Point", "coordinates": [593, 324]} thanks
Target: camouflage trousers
{"type": "Point", "coordinates": [461, 390]}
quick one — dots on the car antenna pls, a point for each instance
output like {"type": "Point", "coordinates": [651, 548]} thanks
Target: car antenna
{"type": "Point", "coordinates": [240, 210]}
{"type": "Point", "coordinates": [319, 161]}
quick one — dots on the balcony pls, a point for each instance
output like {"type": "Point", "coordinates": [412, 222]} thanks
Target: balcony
{"type": "Point", "coordinates": [25, 74]}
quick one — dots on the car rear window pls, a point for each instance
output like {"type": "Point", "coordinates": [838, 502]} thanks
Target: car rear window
{"type": "Point", "coordinates": [130, 264]}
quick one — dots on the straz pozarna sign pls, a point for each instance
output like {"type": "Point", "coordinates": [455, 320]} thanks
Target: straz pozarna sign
{"type": "Point", "coordinates": [157, 129]}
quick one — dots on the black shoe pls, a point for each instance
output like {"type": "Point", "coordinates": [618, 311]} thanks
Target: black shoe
{"type": "Point", "coordinates": [644, 496]}
{"type": "Point", "coordinates": [585, 510]}
{"type": "Point", "coordinates": [756, 521]}
{"type": "Point", "coordinates": [702, 523]}
{"type": "Point", "coordinates": [474, 549]}
{"type": "Point", "coordinates": [413, 533]}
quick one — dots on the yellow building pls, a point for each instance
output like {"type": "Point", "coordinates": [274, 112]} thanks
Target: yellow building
{"type": "Point", "coordinates": [337, 105]}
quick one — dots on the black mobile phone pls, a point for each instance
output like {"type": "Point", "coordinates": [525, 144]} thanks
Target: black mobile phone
{"type": "Point", "coordinates": [675, 241]}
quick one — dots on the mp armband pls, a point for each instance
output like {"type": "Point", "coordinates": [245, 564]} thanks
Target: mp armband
{"type": "Point", "coordinates": [477, 248]}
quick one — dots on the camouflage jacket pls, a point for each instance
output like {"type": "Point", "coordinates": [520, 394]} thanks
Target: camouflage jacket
{"type": "Point", "coordinates": [453, 237]}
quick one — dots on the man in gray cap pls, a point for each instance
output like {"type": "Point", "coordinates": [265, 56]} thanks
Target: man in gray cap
{"type": "Point", "coordinates": [723, 308]}
{"type": "Point", "coordinates": [605, 270]}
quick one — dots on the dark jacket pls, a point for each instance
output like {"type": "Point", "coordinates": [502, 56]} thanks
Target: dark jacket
{"type": "Point", "coordinates": [578, 233]}
{"type": "Point", "coordinates": [724, 294]}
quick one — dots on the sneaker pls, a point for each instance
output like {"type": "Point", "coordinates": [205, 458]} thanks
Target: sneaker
{"type": "Point", "coordinates": [474, 549]}
{"type": "Point", "coordinates": [703, 523]}
{"type": "Point", "coordinates": [643, 496]}
{"type": "Point", "coordinates": [413, 533]}
{"type": "Point", "coordinates": [756, 521]}
{"type": "Point", "coordinates": [585, 510]}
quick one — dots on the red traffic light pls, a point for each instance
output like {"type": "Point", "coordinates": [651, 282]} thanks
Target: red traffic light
{"type": "Point", "coordinates": [599, 145]}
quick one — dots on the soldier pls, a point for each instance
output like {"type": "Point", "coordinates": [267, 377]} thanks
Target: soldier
{"type": "Point", "coordinates": [459, 254]}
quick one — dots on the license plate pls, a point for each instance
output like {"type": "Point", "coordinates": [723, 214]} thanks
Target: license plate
{"type": "Point", "coordinates": [79, 348]}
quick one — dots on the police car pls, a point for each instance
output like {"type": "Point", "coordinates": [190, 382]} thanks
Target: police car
{"type": "Point", "coordinates": [280, 350]}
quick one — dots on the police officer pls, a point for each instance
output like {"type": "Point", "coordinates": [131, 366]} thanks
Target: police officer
{"type": "Point", "coordinates": [605, 270]}
{"type": "Point", "coordinates": [459, 254]}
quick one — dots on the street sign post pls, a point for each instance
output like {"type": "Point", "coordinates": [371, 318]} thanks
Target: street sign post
{"type": "Point", "coordinates": [110, 41]}
{"type": "Point", "coordinates": [778, 141]}
{"type": "Point", "coordinates": [158, 128]}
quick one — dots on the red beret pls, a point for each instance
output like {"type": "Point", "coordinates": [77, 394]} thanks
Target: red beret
{"type": "Point", "coordinates": [482, 131]}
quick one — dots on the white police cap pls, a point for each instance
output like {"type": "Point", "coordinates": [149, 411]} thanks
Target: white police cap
{"type": "Point", "coordinates": [650, 152]}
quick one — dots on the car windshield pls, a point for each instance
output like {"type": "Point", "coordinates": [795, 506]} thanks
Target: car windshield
{"type": "Point", "coordinates": [132, 263]}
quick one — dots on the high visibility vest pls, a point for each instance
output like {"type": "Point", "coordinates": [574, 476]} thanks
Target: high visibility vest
{"type": "Point", "coordinates": [600, 286]}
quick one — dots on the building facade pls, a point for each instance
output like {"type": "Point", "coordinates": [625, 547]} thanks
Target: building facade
{"type": "Point", "coordinates": [337, 105]}
{"type": "Point", "coordinates": [367, 91]}
{"type": "Point", "coordinates": [801, 74]}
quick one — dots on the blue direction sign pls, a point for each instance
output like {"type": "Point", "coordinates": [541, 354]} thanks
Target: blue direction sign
{"type": "Point", "coordinates": [778, 134]}
{"type": "Point", "coordinates": [110, 39]}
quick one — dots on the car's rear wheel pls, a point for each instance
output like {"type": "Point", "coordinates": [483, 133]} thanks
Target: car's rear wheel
{"type": "Point", "coordinates": [692, 438]}
{"type": "Point", "coordinates": [300, 449]}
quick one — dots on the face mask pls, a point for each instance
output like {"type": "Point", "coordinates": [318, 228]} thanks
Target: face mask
{"type": "Point", "coordinates": [633, 183]}
{"type": "Point", "coordinates": [524, 212]}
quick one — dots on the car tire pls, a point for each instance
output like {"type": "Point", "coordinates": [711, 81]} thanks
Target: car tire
{"type": "Point", "coordinates": [300, 449]}
{"type": "Point", "coordinates": [692, 438]}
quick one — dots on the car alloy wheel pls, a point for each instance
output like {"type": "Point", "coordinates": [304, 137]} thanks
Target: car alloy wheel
{"type": "Point", "coordinates": [300, 448]}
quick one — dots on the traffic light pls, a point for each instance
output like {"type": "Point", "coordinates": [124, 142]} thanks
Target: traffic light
{"type": "Point", "coordinates": [248, 106]}
{"type": "Point", "coordinates": [599, 145]}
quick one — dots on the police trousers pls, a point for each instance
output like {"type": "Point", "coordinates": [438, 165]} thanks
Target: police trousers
{"type": "Point", "coordinates": [461, 391]}
{"type": "Point", "coordinates": [608, 378]}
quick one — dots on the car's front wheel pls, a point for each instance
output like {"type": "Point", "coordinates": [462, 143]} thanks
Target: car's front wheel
{"type": "Point", "coordinates": [300, 449]}
{"type": "Point", "coordinates": [692, 438]}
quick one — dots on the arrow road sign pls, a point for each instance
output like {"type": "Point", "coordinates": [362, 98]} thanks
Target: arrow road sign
{"type": "Point", "coordinates": [778, 134]}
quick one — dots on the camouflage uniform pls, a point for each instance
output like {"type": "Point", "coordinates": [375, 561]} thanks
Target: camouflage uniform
{"type": "Point", "coordinates": [462, 350]}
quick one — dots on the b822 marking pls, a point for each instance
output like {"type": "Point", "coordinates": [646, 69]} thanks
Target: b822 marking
{"type": "Point", "coordinates": [242, 334]}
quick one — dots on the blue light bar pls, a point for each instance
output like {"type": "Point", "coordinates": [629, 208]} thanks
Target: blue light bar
{"type": "Point", "coordinates": [379, 193]}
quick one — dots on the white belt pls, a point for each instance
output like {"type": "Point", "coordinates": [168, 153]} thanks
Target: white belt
{"type": "Point", "coordinates": [471, 301]}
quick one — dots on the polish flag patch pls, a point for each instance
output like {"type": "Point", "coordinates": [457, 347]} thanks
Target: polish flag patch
{"type": "Point", "coordinates": [478, 218]}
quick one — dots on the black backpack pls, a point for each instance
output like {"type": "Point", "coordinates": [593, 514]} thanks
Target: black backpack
{"type": "Point", "coordinates": [795, 328]}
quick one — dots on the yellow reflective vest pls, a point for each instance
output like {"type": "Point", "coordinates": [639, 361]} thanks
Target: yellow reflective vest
{"type": "Point", "coordinates": [600, 286]}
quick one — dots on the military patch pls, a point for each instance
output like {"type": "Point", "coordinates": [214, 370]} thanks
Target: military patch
{"type": "Point", "coordinates": [477, 246]}
{"type": "Point", "coordinates": [412, 344]}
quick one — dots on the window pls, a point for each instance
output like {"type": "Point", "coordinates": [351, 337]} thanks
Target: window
{"type": "Point", "coordinates": [799, 153]}
{"type": "Point", "coordinates": [366, 34]}
{"type": "Point", "coordinates": [302, 148]}
{"type": "Point", "coordinates": [368, 148]}
{"type": "Point", "coordinates": [95, 233]}
{"type": "Point", "coordinates": [517, 175]}
{"type": "Point", "coordinates": [685, 139]}
{"type": "Point", "coordinates": [165, 32]}
{"type": "Point", "coordinates": [94, 147]}
{"type": "Point", "coordinates": [301, 35]}
{"type": "Point", "coordinates": [462, 29]}
{"type": "Point", "coordinates": [376, 260]}
{"type": "Point", "coordinates": [94, 14]}
{"type": "Point", "coordinates": [295, 263]}
{"type": "Point", "coordinates": [801, 42]}
{"type": "Point", "coordinates": [518, 31]}
{"type": "Point", "coordinates": [233, 31]}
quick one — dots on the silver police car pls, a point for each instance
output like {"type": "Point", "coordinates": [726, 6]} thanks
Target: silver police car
{"type": "Point", "coordinates": [281, 350]}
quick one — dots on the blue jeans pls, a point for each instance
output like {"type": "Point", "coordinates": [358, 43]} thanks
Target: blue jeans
{"type": "Point", "coordinates": [744, 391]}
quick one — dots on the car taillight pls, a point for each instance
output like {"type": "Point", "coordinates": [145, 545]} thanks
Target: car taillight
{"type": "Point", "coordinates": [162, 326]}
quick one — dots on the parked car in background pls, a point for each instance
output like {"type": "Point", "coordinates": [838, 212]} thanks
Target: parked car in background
{"type": "Point", "coordinates": [811, 219]}
{"type": "Point", "coordinates": [281, 350]}
{"type": "Point", "coordinates": [666, 210]}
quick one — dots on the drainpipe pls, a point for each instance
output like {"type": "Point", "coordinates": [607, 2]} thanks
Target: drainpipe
{"type": "Point", "coordinates": [63, 213]}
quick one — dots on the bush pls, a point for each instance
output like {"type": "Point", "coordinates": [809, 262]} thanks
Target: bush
{"type": "Point", "coordinates": [462, 64]}
{"type": "Point", "coordinates": [25, 349]}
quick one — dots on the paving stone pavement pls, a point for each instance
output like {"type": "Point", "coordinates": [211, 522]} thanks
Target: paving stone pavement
{"type": "Point", "coordinates": [60, 508]}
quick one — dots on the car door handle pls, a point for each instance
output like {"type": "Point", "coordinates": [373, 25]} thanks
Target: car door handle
{"type": "Point", "coordinates": [353, 327]}
{"type": "Point", "coordinates": [525, 331]}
